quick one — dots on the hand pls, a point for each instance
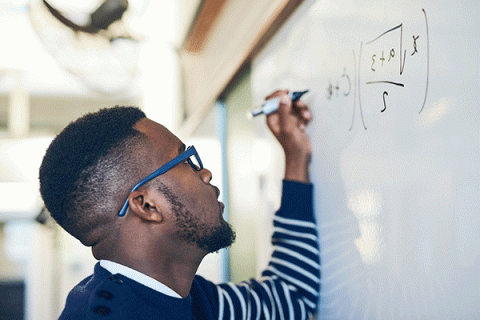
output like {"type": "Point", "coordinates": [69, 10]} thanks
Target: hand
{"type": "Point", "coordinates": [288, 125]}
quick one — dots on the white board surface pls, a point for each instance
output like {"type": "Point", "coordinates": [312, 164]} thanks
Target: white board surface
{"type": "Point", "coordinates": [395, 93]}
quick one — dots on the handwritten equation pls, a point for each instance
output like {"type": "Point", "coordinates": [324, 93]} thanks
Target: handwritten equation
{"type": "Point", "coordinates": [381, 61]}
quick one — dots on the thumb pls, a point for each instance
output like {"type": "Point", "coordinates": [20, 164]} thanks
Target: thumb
{"type": "Point", "coordinates": [273, 122]}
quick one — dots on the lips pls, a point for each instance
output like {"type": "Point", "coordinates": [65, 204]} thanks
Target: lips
{"type": "Point", "coordinates": [217, 191]}
{"type": "Point", "coordinates": [222, 207]}
{"type": "Point", "coordinates": [221, 204]}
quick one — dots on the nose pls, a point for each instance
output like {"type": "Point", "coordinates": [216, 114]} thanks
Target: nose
{"type": "Point", "coordinates": [206, 175]}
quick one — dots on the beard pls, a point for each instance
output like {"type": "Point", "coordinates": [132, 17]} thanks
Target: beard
{"type": "Point", "coordinates": [207, 237]}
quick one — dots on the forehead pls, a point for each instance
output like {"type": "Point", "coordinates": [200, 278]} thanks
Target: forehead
{"type": "Point", "coordinates": [163, 141]}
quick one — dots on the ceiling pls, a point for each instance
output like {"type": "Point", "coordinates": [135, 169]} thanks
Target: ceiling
{"type": "Point", "coordinates": [57, 96]}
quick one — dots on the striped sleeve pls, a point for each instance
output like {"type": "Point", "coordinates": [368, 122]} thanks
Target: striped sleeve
{"type": "Point", "coordinates": [289, 287]}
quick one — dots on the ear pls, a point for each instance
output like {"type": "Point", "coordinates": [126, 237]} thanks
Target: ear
{"type": "Point", "coordinates": [148, 205]}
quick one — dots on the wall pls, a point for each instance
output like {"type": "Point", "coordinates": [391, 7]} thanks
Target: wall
{"type": "Point", "coordinates": [242, 181]}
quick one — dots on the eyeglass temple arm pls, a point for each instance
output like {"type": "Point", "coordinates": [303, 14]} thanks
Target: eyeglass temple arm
{"type": "Point", "coordinates": [167, 166]}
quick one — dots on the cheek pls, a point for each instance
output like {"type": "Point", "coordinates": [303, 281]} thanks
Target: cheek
{"type": "Point", "coordinates": [165, 205]}
{"type": "Point", "coordinates": [200, 200]}
{"type": "Point", "coordinates": [197, 197]}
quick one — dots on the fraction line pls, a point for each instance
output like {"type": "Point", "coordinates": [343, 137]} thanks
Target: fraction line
{"type": "Point", "coordinates": [387, 82]}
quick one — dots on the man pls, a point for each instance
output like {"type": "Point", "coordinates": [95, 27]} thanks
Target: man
{"type": "Point", "coordinates": [126, 186]}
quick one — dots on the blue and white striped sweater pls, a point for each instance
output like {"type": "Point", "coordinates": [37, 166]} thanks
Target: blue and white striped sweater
{"type": "Point", "coordinates": [287, 289]}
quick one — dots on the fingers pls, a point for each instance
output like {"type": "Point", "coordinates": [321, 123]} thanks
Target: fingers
{"type": "Point", "coordinates": [276, 93]}
{"type": "Point", "coordinates": [285, 103]}
{"type": "Point", "coordinates": [302, 112]}
{"type": "Point", "coordinates": [282, 119]}
{"type": "Point", "coordinates": [288, 124]}
{"type": "Point", "coordinates": [273, 123]}
{"type": "Point", "coordinates": [299, 108]}
{"type": "Point", "coordinates": [289, 115]}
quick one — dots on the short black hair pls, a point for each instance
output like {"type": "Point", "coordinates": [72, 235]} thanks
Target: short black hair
{"type": "Point", "coordinates": [84, 165]}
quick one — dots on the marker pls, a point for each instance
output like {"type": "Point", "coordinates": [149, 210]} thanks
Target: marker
{"type": "Point", "coordinates": [272, 104]}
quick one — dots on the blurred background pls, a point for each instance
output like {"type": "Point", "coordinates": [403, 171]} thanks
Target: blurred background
{"type": "Point", "coordinates": [186, 63]}
{"type": "Point", "coordinates": [397, 204]}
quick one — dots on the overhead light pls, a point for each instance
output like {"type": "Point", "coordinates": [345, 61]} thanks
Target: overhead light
{"type": "Point", "coordinates": [101, 52]}
{"type": "Point", "coordinates": [101, 19]}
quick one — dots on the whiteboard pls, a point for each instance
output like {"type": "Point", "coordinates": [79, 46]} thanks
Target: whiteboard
{"type": "Point", "coordinates": [395, 91]}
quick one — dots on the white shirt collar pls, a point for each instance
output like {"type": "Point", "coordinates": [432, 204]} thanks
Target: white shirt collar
{"type": "Point", "coordinates": [147, 281]}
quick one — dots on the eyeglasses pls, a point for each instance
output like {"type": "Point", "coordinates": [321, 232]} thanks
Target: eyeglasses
{"type": "Point", "coordinates": [187, 155]}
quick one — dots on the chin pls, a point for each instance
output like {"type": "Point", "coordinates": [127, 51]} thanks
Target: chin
{"type": "Point", "coordinates": [220, 237]}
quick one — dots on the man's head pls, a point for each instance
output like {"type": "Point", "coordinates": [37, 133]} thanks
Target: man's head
{"type": "Point", "coordinates": [83, 167]}
{"type": "Point", "coordinates": [183, 198]}
{"type": "Point", "coordinates": [91, 166]}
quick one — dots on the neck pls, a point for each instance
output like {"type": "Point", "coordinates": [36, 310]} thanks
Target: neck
{"type": "Point", "coordinates": [175, 268]}
{"type": "Point", "coordinates": [177, 275]}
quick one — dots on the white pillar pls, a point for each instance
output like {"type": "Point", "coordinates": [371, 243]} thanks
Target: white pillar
{"type": "Point", "coordinates": [39, 288]}
{"type": "Point", "coordinates": [19, 107]}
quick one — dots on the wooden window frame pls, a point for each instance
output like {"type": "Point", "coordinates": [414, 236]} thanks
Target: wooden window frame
{"type": "Point", "coordinates": [224, 38]}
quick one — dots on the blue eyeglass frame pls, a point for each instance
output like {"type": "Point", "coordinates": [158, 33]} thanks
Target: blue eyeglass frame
{"type": "Point", "coordinates": [184, 156]}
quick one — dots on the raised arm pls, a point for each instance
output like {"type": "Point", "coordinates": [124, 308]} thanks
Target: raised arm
{"type": "Point", "coordinates": [288, 125]}
{"type": "Point", "coordinates": [289, 287]}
